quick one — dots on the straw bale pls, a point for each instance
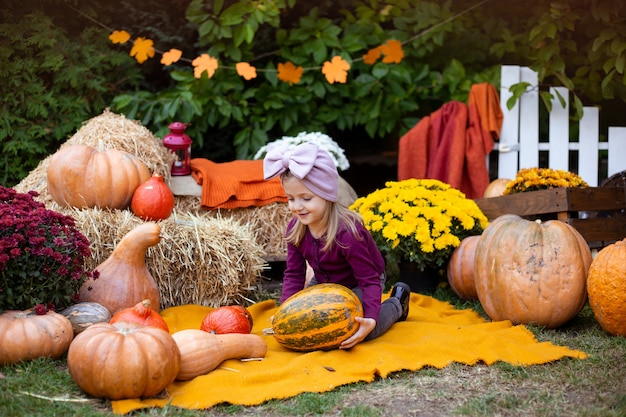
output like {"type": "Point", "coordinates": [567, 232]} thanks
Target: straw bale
{"type": "Point", "coordinates": [199, 260]}
{"type": "Point", "coordinates": [205, 257]}
{"type": "Point", "coordinates": [267, 222]}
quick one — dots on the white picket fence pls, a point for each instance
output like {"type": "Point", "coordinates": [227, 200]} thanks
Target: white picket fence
{"type": "Point", "coordinates": [520, 145]}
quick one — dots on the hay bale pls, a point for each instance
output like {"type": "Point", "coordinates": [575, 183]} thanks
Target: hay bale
{"type": "Point", "coordinates": [199, 260]}
{"type": "Point", "coordinates": [267, 222]}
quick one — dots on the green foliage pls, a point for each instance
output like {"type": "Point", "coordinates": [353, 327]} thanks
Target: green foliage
{"type": "Point", "coordinates": [58, 68]}
{"type": "Point", "coordinates": [380, 99]}
{"type": "Point", "coordinates": [579, 44]}
{"type": "Point", "coordinates": [50, 83]}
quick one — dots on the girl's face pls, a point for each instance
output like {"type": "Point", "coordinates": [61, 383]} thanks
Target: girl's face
{"type": "Point", "coordinates": [306, 206]}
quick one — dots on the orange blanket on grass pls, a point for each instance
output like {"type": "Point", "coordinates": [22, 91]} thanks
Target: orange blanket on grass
{"type": "Point", "coordinates": [452, 143]}
{"type": "Point", "coordinates": [435, 334]}
{"type": "Point", "coordinates": [235, 184]}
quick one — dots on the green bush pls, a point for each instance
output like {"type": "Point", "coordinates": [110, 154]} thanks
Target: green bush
{"type": "Point", "coordinates": [378, 100]}
{"type": "Point", "coordinates": [51, 81]}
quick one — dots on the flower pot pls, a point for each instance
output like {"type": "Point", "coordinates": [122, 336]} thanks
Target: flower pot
{"type": "Point", "coordinates": [419, 280]}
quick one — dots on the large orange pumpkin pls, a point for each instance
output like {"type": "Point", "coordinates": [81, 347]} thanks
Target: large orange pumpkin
{"type": "Point", "coordinates": [81, 176]}
{"type": "Point", "coordinates": [153, 200]}
{"type": "Point", "coordinates": [123, 360]}
{"type": "Point", "coordinates": [25, 335]}
{"type": "Point", "coordinates": [606, 286]}
{"type": "Point", "coordinates": [531, 272]}
{"type": "Point", "coordinates": [460, 270]}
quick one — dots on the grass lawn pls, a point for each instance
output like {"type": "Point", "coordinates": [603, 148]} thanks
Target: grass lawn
{"type": "Point", "coordinates": [595, 386]}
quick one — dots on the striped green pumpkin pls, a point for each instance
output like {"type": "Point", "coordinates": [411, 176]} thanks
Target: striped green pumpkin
{"type": "Point", "coordinates": [319, 317]}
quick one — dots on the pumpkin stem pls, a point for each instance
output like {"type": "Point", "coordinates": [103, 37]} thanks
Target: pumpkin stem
{"type": "Point", "coordinates": [143, 308]}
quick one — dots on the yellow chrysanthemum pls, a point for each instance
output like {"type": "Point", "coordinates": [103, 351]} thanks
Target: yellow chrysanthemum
{"type": "Point", "coordinates": [421, 220]}
{"type": "Point", "coordinates": [533, 179]}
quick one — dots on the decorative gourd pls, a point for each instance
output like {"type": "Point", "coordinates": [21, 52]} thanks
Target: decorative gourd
{"type": "Point", "coordinates": [227, 319]}
{"type": "Point", "coordinates": [83, 315]}
{"type": "Point", "coordinates": [531, 272]}
{"type": "Point", "coordinates": [496, 187]}
{"type": "Point", "coordinates": [318, 317]}
{"type": "Point", "coordinates": [123, 360]}
{"type": "Point", "coordinates": [201, 352]}
{"type": "Point", "coordinates": [153, 200]}
{"type": "Point", "coordinates": [124, 278]}
{"type": "Point", "coordinates": [142, 314]}
{"type": "Point", "coordinates": [460, 270]}
{"type": "Point", "coordinates": [81, 176]}
{"type": "Point", "coordinates": [25, 335]}
{"type": "Point", "coordinates": [606, 286]}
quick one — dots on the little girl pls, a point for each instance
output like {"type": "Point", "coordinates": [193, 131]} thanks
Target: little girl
{"type": "Point", "coordinates": [331, 239]}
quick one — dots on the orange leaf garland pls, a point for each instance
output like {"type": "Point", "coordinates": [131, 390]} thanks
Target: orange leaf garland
{"type": "Point", "coordinates": [142, 49]}
{"type": "Point", "coordinates": [392, 49]}
{"type": "Point", "coordinates": [119, 36]}
{"type": "Point", "coordinates": [171, 56]}
{"type": "Point", "coordinates": [289, 73]}
{"type": "Point", "coordinates": [204, 62]}
{"type": "Point", "coordinates": [245, 70]}
{"type": "Point", "coordinates": [372, 55]}
{"type": "Point", "coordinates": [336, 70]}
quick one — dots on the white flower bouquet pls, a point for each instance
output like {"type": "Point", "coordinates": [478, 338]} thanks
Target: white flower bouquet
{"type": "Point", "coordinates": [320, 139]}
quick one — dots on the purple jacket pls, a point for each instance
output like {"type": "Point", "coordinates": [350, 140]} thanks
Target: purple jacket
{"type": "Point", "coordinates": [350, 262]}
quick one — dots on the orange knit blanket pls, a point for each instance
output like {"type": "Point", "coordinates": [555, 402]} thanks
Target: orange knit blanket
{"type": "Point", "coordinates": [235, 184]}
{"type": "Point", "coordinates": [451, 144]}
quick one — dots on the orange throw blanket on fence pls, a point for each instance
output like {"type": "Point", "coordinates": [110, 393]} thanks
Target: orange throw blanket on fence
{"type": "Point", "coordinates": [435, 334]}
{"type": "Point", "coordinates": [452, 143]}
{"type": "Point", "coordinates": [235, 184]}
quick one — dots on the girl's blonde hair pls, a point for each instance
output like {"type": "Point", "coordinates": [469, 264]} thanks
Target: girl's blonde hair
{"type": "Point", "coordinates": [334, 217]}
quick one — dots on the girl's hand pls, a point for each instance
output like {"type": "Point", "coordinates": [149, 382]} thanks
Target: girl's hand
{"type": "Point", "coordinates": [365, 328]}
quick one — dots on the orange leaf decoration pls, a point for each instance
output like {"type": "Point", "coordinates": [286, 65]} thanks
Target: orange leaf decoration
{"type": "Point", "coordinates": [392, 49]}
{"type": "Point", "coordinates": [246, 70]}
{"type": "Point", "coordinates": [336, 70]}
{"type": "Point", "coordinates": [142, 49]}
{"type": "Point", "coordinates": [289, 73]}
{"type": "Point", "coordinates": [119, 36]}
{"type": "Point", "coordinates": [372, 55]}
{"type": "Point", "coordinates": [171, 56]}
{"type": "Point", "coordinates": [204, 62]}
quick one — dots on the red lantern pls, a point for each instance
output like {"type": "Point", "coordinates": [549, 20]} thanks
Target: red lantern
{"type": "Point", "coordinates": [180, 144]}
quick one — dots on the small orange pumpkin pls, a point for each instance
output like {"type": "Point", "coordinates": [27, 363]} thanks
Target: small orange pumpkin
{"type": "Point", "coordinates": [606, 286]}
{"type": "Point", "coordinates": [153, 200]}
{"type": "Point", "coordinates": [227, 319]}
{"type": "Point", "coordinates": [142, 314]}
{"type": "Point", "coordinates": [531, 272]}
{"type": "Point", "coordinates": [496, 187]}
{"type": "Point", "coordinates": [81, 176]}
{"type": "Point", "coordinates": [460, 270]}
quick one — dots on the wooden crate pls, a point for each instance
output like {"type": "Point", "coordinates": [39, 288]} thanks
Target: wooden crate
{"type": "Point", "coordinates": [598, 213]}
